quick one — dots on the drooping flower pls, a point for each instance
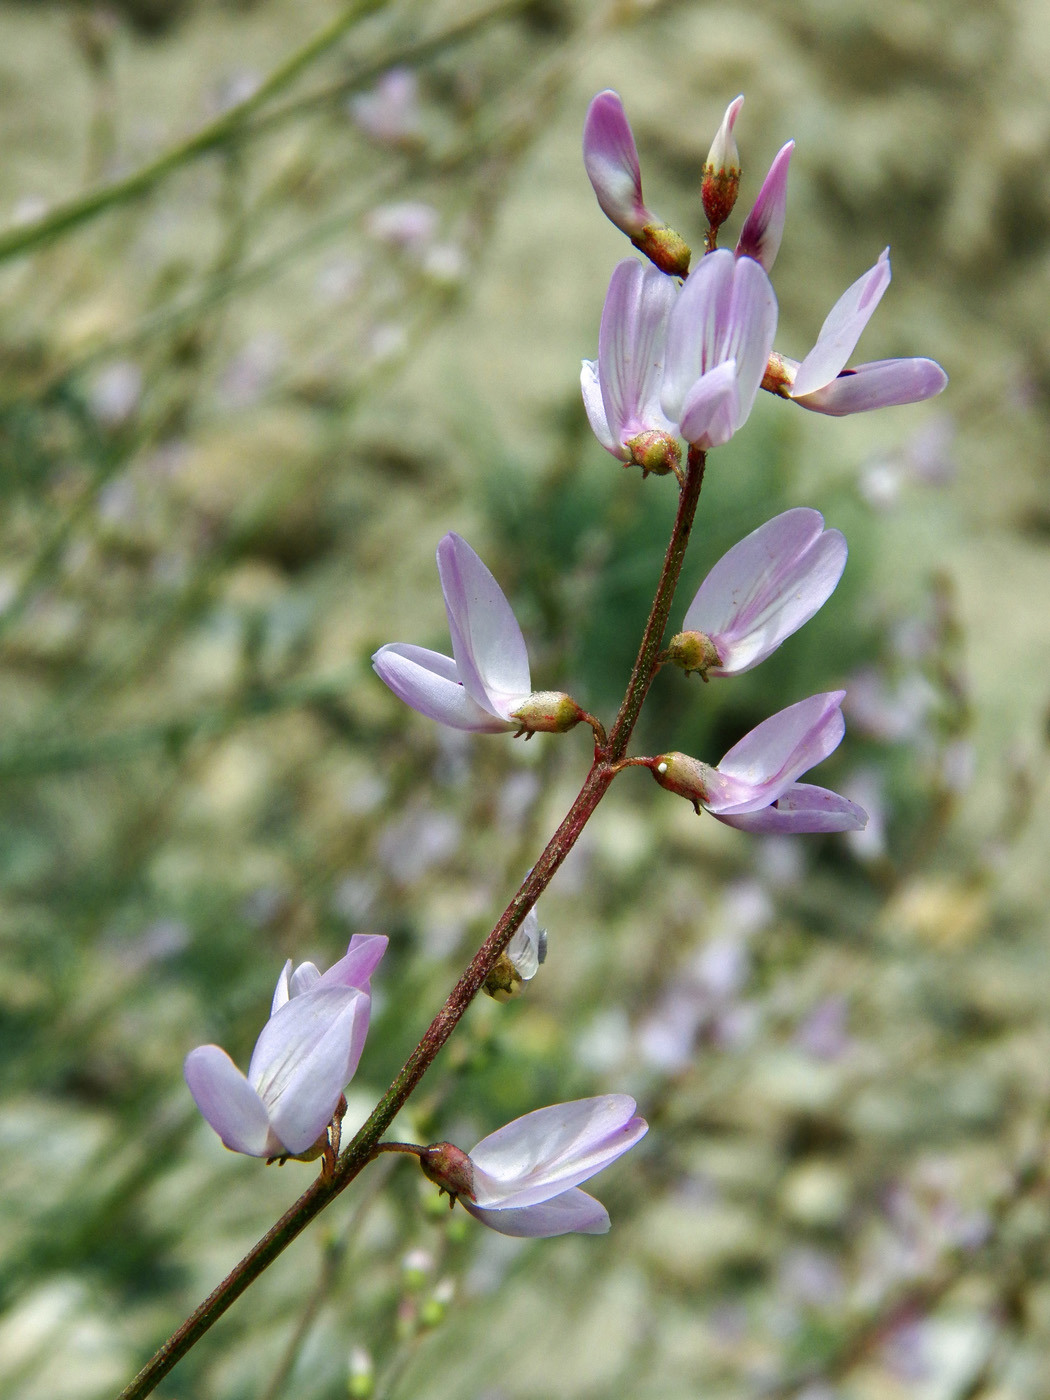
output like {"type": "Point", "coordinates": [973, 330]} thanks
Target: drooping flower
{"type": "Point", "coordinates": [821, 383]}
{"type": "Point", "coordinates": [719, 336]}
{"type": "Point", "coordinates": [305, 1056]}
{"type": "Point", "coordinates": [610, 158]}
{"type": "Point", "coordinates": [754, 788]}
{"type": "Point", "coordinates": [524, 1179]}
{"type": "Point", "coordinates": [764, 226]}
{"type": "Point", "coordinates": [485, 686]}
{"type": "Point", "coordinates": [521, 960]}
{"type": "Point", "coordinates": [621, 389]}
{"type": "Point", "coordinates": [758, 593]}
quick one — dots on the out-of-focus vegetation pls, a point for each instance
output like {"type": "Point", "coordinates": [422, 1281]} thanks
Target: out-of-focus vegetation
{"type": "Point", "coordinates": [238, 408]}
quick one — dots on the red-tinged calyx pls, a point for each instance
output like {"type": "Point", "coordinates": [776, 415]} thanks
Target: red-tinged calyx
{"type": "Point", "coordinates": [679, 773]}
{"type": "Point", "coordinates": [504, 981]}
{"type": "Point", "coordinates": [450, 1168]}
{"type": "Point", "coordinates": [720, 183]}
{"type": "Point", "coordinates": [655, 452]}
{"type": "Point", "coordinates": [547, 712]}
{"type": "Point", "coordinates": [780, 375]}
{"type": "Point", "coordinates": [667, 249]}
{"type": "Point", "coordinates": [694, 651]}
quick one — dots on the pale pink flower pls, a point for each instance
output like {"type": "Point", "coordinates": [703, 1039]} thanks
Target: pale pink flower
{"type": "Point", "coordinates": [305, 1056]}
{"type": "Point", "coordinates": [754, 788]}
{"type": "Point", "coordinates": [485, 685]}
{"type": "Point", "coordinates": [526, 1176]}
{"type": "Point", "coordinates": [764, 226]}
{"type": "Point", "coordinates": [761, 591]}
{"type": "Point", "coordinates": [821, 383]}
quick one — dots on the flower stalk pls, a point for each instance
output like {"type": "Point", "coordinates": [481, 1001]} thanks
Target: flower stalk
{"type": "Point", "coordinates": [366, 1143]}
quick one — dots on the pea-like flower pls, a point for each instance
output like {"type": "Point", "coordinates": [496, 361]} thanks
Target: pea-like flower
{"type": "Point", "coordinates": [304, 1058]}
{"type": "Point", "coordinates": [524, 1179]}
{"type": "Point", "coordinates": [485, 686]}
{"type": "Point", "coordinates": [610, 158]}
{"type": "Point", "coordinates": [758, 593]}
{"type": "Point", "coordinates": [719, 336]}
{"type": "Point", "coordinates": [753, 788]}
{"type": "Point", "coordinates": [621, 389]}
{"type": "Point", "coordinates": [822, 384]}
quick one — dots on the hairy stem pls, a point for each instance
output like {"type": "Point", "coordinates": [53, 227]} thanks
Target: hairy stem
{"type": "Point", "coordinates": [367, 1142]}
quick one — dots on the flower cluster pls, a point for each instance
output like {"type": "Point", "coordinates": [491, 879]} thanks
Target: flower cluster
{"type": "Point", "coordinates": [681, 357]}
{"type": "Point", "coordinates": [687, 361]}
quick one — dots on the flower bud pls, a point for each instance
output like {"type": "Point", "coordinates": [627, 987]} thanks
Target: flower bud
{"type": "Point", "coordinates": [679, 773]}
{"type": "Point", "coordinates": [547, 712]}
{"type": "Point", "coordinates": [450, 1168]}
{"type": "Point", "coordinates": [694, 651]}
{"type": "Point", "coordinates": [720, 183]}
{"type": "Point", "coordinates": [360, 1374]}
{"type": "Point", "coordinates": [655, 452]}
{"type": "Point", "coordinates": [667, 249]}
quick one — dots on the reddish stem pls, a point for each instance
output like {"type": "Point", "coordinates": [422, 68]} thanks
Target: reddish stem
{"type": "Point", "coordinates": [608, 761]}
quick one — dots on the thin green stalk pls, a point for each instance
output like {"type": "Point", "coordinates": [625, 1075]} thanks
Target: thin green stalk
{"type": "Point", "coordinates": [211, 136]}
{"type": "Point", "coordinates": [366, 1142]}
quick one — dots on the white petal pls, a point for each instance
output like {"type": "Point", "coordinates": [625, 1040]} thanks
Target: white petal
{"type": "Point", "coordinates": [228, 1101]}
{"type": "Point", "coordinates": [842, 329]}
{"type": "Point", "coordinates": [573, 1212]}
{"type": "Point", "coordinates": [486, 639]}
{"type": "Point", "coordinates": [304, 1059]}
{"type": "Point", "coordinates": [430, 683]}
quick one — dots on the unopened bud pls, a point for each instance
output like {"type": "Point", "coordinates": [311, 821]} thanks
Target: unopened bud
{"type": "Point", "coordinates": [667, 249]}
{"type": "Point", "coordinates": [655, 452]}
{"type": "Point", "coordinates": [679, 773]}
{"type": "Point", "coordinates": [780, 375]}
{"type": "Point", "coordinates": [504, 981]}
{"type": "Point", "coordinates": [436, 1306]}
{"type": "Point", "coordinates": [694, 651]}
{"type": "Point", "coordinates": [450, 1168]}
{"type": "Point", "coordinates": [547, 712]}
{"type": "Point", "coordinates": [360, 1374]}
{"type": "Point", "coordinates": [721, 178]}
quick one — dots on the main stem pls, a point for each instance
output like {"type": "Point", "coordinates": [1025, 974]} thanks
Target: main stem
{"type": "Point", "coordinates": [365, 1144]}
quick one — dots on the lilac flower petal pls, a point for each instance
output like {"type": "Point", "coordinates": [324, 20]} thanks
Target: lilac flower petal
{"type": "Point", "coordinates": [695, 329]}
{"type": "Point", "coordinates": [802, 808]}
{"type": "Point", "coordinates": [355, 967]}
{"type": "Point", "coordinates": [305, 976]}
{"type": "Point", "coordinates": [610, 158]}
{"type": "Point", "coordinates": [486, 639]}
{"type": "Point", "coordinates": [430, 683]}
{"type": "Point", "coordinates": [752, 326]}
{"type": "Point", "coordinates": [766, 587]}
{"type": "Point", "coordinates": [878, 384]}
{"type": "Point", "coordinates": [546, 1152]}
{"type": "Point", "coordinates": [764, 226]}
{"type": "Point", "coordinates": [711, 408]}
{"type": "Point", "coordinates": [842, 329]}
{"type": "Point", "coordinates": [573, 1212]}
{"type": "Point", "coordinates": [303, 1060]}
{"type": "Point", "coordinates": [767, 761]}
{"type": "Point", "coordinates": [283, 990]}
{"type": "Point", "coordinates": [594, 405]}
{"type": "Point", "coordinates": [228, 1102]}
{"type": "Point", "coordinates": [631, 349]}
{"type": "Point", "coordinates": [727, 310]}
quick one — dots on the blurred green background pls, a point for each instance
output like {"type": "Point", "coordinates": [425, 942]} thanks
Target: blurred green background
{"type": "Point", "coordinates": [239, 405]}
